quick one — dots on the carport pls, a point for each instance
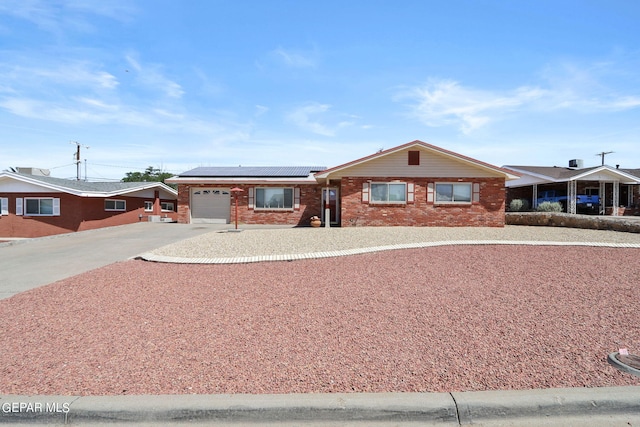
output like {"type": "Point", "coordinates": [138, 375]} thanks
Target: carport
{"type": "Point", "coordinates": [618, 189]}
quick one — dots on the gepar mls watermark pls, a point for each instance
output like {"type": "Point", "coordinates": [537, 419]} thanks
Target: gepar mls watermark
{"type": "Point", "coordinates": [35, 407]}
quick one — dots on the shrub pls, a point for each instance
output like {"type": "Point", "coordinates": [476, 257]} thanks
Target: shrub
{"type": "Point", "coordinates": [518, 205]}
{"type": "Point", "coordinates": [550, 207]}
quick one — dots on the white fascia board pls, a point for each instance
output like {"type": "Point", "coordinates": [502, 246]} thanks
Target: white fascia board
{"type": "Point", "coordinates": [629, 179]}
{"type": "Point", "coordinates": [541, 177]}
{"type": "Point", "coordinates": [160, 185]}
{"type": "Point", "coordinates": [80, 193]}
{"type": "Point", "coordinates": [26, 179]}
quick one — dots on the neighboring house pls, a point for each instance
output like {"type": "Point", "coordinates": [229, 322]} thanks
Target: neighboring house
{"type": "Point", "coordinates": [413, 184]}
{"type": "Point", "coordinates": [35, 205]}
{"type": "Point", "coordinates": [618, 189]}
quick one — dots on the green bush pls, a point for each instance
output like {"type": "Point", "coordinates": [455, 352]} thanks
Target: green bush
{"type": "Point", "coordinates": [550, 207]}
{"type": "Point", "coordinates": [518, 205]}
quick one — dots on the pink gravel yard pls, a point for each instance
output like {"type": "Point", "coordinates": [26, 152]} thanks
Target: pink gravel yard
{"type": "Point", "coordinates": [450, 318]}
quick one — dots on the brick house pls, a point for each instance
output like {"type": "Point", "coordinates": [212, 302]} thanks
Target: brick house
{"type": "Point", "coordinates": [415, 184]}
{"type": "Point", "coordinates": [33, 205]}
{"type": "Point", "coordinates": [618, 189]}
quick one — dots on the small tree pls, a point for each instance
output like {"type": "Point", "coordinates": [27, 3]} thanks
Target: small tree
{"type": "Point", "coordinates": [150, 174]}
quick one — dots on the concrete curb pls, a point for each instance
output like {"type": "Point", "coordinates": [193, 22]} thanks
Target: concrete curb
{"type": "Point", "coordinates": [149, 256]}
{"type": "Point", "coordinates": [533, 407]}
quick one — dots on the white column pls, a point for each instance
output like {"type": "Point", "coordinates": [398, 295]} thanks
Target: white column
{"type": "Point", "coordinates": [327, 209]}
{"type": "Point", "coordinates": [616, 197]}
{"type": "Point", "coordinates": [571, 196]}
{"type": "Point", "coordinates": [602, 194]}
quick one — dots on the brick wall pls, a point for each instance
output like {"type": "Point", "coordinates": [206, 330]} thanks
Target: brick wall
{"type": "Point", "coordinates": [489, 211]}
{"type": "Point", "coordinates": [76, 214]}
{"type": "Point", "coordinates": [184, 214]}
{"type": "Point", "coordinates": [310, 204]}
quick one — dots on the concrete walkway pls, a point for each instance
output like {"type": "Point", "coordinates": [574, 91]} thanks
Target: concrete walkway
{"type": "Point", "coordinates": [614, 406]}
{"type": "Point", "coordinates": [29, 263]}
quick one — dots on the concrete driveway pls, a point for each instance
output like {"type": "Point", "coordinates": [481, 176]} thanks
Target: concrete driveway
{"type": "Point", "coordinates": [27, 264]}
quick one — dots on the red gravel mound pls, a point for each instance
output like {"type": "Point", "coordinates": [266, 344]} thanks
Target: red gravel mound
{"type": "Point", "coordinates": [438, 319]}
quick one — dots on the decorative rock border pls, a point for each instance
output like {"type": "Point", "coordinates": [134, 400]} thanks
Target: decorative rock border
{"type": "Point", "coordinates": [357, 251]}
{"type": "Point", "coordinates": [593, 222]}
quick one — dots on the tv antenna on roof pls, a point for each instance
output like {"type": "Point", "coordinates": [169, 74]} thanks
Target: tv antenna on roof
{"type": "Point", "coordinates": [604, 153]}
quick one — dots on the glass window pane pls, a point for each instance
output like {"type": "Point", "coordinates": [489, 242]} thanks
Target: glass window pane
{"type": "Point", "coordinates": [120, 205]}
{"type": "Point", "coordinates": [260, 198]}
{"type": "Point", "coordinates": [379, 192]}
{"type": "Point", "coordinates": [288, 198]}
{"type": "Point", "coordinates": [462, 192]}
{"type": "Point", "coordinates": [46, 206]}
{"type": "Point", "coordinates": [397, 192]}
{"type": "Point", "coordinates": [444, 192]}
{"type": "Point", "coordinates": [274, 198]}
{"type": "Point", "coordinates": [33, 206]}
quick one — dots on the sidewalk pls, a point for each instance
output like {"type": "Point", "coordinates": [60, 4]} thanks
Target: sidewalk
{"type": "Point", "coordinates": [562, 407]}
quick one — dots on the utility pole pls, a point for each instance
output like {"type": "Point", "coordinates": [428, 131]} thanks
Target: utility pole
{"type": "Point", "coordinates": [604, 153]}
{"type": "Point", "coordinates": [78, 162]}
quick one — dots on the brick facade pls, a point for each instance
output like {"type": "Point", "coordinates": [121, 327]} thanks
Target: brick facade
{"type": "Point", "coordinates": [310, 205]}
{"type": "Point", "coordinates": [488, 212]}
{"type": "Point", "coordinates": [76, 214]}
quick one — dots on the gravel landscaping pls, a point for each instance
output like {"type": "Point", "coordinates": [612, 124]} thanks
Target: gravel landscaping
{"type": "Point", "coordinates": [448, 318]}
{"type": "Point", "coordinates": [254, 242]}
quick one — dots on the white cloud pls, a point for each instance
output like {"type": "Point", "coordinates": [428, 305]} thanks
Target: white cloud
{"type": "Point", "coordinates": [71, 73]}
{"type": "Point", "coordinates": [260, 110]}
{"type": "Point", "coordinates": [151, 77]}
{"type": "Point", "coordinates": [305, 118]}
{"type": "Point", "coordinates": [60, 16]}
{"type": "Point", "coordinates": [448, 103]}
{"type": "Point", "coordinates": [296, 59]}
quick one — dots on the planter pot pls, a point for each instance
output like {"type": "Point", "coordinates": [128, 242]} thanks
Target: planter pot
{"type": "Point", "coordinates": [316, 223]}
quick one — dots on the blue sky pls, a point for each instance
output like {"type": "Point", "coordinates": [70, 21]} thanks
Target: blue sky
{"type": "Point", "coordinates": [180, 84]}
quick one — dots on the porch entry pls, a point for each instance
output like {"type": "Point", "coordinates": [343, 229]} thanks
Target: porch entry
{"type": "Point", "coordinates": [330, 201]}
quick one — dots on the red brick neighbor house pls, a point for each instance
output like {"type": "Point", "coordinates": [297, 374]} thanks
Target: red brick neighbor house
{"type": "Point", "coordinates": [33, 205]}
{"type": "Point", "coordinates": [415, 184]}
{"type": "Point", "coordinates": [617, 190]}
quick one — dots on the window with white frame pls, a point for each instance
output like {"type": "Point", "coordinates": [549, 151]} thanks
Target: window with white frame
{"type": "Point", "coordinates": [115, 205]}
{"type": "Point", "coordinates": [41, 206]}
{"type": "Point", "coordinates": [4, 206]}
{"type": "Point", "coordinates": [274, 198]}
{"type": "Point", "coordinates": [148, 206]}
{"type": "Point", "coordinates": [167, 206]}
{"type": "Point", "coordinates": [388, 192]}
{"type": "Point", "coordinates": [453, 192]}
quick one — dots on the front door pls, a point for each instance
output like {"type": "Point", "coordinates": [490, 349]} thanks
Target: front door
{"type": "Point", "coordinates": [331, 203]}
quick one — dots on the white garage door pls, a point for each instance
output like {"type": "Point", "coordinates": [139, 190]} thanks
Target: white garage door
{"type": "Point", "coordinates": [210, 205]}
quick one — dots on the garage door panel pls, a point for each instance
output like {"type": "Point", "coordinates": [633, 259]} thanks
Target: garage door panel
{"type": "Point", "coordinates": [210, 205]}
